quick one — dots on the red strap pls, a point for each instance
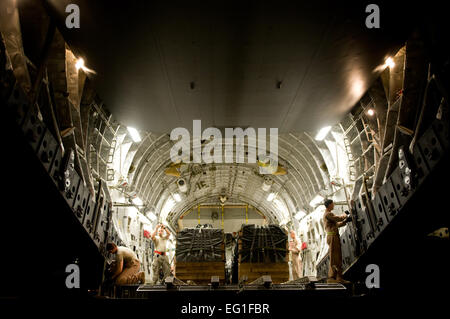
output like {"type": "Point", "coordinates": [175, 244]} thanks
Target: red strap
{"type": "Point", "coordinates": [159, 253]}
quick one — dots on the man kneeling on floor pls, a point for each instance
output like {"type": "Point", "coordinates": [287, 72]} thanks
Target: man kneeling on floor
{"type": "Point", "coordinates": [160, 259]}
{"type": "Point", "coordinates": [127, 266]}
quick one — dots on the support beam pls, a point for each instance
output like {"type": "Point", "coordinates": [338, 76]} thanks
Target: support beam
{"type": "Point", "coordinates": [12, 36]}
{"type": "Point", "coordinates": [43, 62]}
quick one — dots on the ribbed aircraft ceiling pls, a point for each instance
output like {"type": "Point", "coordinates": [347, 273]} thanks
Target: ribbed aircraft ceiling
{"type": "Point", "coordinates": [309, 164]}
{"type": "Point", "coordinates": [295, 65]}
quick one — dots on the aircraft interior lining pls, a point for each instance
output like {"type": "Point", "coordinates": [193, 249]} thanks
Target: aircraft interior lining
{"type": "Point", "coordinates": [361, 118]}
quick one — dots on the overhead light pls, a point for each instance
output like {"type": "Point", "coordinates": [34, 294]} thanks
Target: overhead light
{"type": "Point", "coordinates": [137, 201]}
{"type": "Point", "coordinates": [144, 219]}
{"type": "Point", "coordinates": [323, 133]}
{"type": "Point", "coordinates": [167, 207]}
{"type": "Point", "coordinates": [265, 187]}
{"type": "Point", "coordinates": [316, 200]}
{"type": "Point", "coordinates": [177, 197]}
{"type": "Point", "coordinates": [300, 214]}
{"type": "Point", "coordinates": [79, 64]}
{"type": "Point", "coordinates": [371, 112]}
{"type": "Point", "coordinates": [132, 212]}
{"type": "Point", "coordinates": [151, 215]}
{"type": "Point", "coordinates": [389, 63]}
{"type": "Point", "coordinates": [134, 134]}
{"type": "Point", "coordinates": [271, 197]}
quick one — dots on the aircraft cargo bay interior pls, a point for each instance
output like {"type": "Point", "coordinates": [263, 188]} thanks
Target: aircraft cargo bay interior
{"type": "Point", "coordinates": [225, 158]}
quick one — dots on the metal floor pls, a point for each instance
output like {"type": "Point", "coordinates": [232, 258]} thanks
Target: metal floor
{"type": "Point", "coordinates": [146, 291]}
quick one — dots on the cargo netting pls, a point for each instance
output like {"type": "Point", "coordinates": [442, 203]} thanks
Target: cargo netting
{"type": "Point", "coordinates": [199, 245]}
{"type": "Point", "coordinates": [262, 244]}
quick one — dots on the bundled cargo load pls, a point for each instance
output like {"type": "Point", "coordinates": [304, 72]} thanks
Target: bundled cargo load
{"type": "Point", "coordinates": [199, 255]}
{"type": "Point", "coordinates": [262, 250]}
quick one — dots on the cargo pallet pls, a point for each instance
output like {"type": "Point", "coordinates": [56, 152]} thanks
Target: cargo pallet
{"type": "Point", "coordinates": [278, 269]}
{"type": "Point", "coordinates": [200, 272]}
{"type": "Point", "coordinates": [279, 272]}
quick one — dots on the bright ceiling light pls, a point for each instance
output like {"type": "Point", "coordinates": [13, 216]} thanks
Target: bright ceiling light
{"type": "Point", "coordinates": [389, 63]}
{"type": "Point", "coordinates": [134, 134]}
{"type": "Point", "coordinates": [300, 214]}
{"type": "Point", "coordinates": [137, 201]}
{"type": "Point", "coordinates": [270, 197]}
{"type": "Point", "coordinates": [132, 212]}
{"type": "Point", "coordinates": [323, 133]}
{"type": "Point", "coordinates": [177, 197]}
{"type": "Point", "coordinates": [167, 207]}
{"type": "Point", "coordinates": [316, 200]}
{"type": "Point", "coordinates": [151, 215]}
{"type": "Point", "coordinates": [79, 64]}
{"type": "Point", "coordinates": [370, 112]}
{"type": "Point", "coordinates": [144, 220]}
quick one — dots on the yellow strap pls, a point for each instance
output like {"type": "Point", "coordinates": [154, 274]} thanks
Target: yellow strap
{"type": "Point", "coordinates": [246, 214]}
{"type": "Point", "coordinates": [263, 164]}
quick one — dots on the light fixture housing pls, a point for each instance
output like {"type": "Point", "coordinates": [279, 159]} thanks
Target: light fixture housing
{"type": "Point", "coordinates": [151, 215]}
{"type": "Point", "coordinates": [323, 132]}
{"type": "Point", "coordinates": [144, 219]}
{"type": "Point", "coordinates": [132, 212]}
{"type": "Point", "coordinates": [270, 197]}
{"type": "Point", "coordinates": [177, 197]}
{"type": "Point", "coordinates": [300, 214]}
{"type": "Point", "coordinates": [316, 200]}
{"type": "Point", "coordinates": [134, 134]}
{"type": "Point", "coordinates": [370, 112]}
{"type": "Point", "coordinates": [137, 201]}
